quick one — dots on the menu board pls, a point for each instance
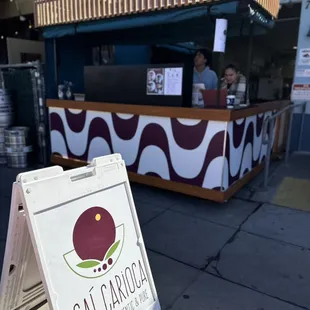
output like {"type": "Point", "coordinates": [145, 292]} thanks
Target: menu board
{"type": "Point", "coordinates": [164, 81]}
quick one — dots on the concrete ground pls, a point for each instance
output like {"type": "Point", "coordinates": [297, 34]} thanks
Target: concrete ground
{"type": "Point", "coordinates": [246, 254]}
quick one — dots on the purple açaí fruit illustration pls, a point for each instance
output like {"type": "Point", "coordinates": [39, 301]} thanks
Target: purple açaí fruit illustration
{"type": "Point", "coordinates": [93, 234]}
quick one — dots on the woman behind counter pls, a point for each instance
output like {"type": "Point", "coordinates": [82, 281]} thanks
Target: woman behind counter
{"type": "Point", "coordinates": [235, 83]}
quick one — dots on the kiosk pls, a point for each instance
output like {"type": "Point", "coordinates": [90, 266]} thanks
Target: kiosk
{"type": "Point", "coordinates": [209, 153]}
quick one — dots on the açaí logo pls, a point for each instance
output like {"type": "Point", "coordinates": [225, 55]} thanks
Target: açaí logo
{"type": "Point", "coordinates": [97, 243]}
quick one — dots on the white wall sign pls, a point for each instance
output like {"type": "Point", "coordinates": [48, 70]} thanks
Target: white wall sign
{"type": "Point", "coordinates": [301, 92]}
{"type": "Point", "coordinates": [173, 81]}
{"type": "Point", "coordinates": [87, 239]}
{"type": "Point", "coordinates": [220, 35]}
{"type": "Point", "coordinates": [304, 57]}
{"type": "Point", "coordinates": [302, 72]}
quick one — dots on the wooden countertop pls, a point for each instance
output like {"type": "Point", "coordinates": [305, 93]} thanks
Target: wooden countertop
{"type": "Point", "coordinates": [173, 112]}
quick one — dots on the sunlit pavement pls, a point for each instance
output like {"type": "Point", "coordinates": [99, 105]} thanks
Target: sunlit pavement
{"type": "Point", "coordinates": [246, 254]}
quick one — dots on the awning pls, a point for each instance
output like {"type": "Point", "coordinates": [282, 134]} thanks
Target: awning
{"type": "Point", "coordinates": [141, 21]}
{"type": "Point", "coordinates": [59, 31]}
{"type": "Point", "coordinates": [158, 18]}
{"type": "Point", "coordinates": [181, 48]}
{"type": "Point", "coordinates": [178, 25]}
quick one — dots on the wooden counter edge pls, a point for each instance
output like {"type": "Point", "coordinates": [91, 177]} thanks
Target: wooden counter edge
{"type": "Point", "coordinates": [173, 112]}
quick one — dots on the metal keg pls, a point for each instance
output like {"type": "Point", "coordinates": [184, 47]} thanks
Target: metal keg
{"type": "Point", "coordinates": [17, 146]}
{"type": "Point", "coordinates": [6, 109]}
{"type": "Point", "coordinates": [2, 148]}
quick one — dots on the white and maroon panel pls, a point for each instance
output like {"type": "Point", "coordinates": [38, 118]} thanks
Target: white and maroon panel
{"type": "Point", "coordinates": [180, 150]}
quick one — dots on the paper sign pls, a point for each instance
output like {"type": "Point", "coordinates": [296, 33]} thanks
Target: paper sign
{"type": "Point", "coordinates": [304, 57]}
{"type": "Point", "coordinates": [220, 35]}
{"type": "Point", "coordinates": [89, 247]}
{"type": "Point", "coordinates": [155, 81]}
{"type": "Point", "coordinates": [164, 81]}
{"type": "Point", "coordinates": [302, 72]}
{"type": "Point", "coordinates": [301, 92]}
{"type": "Point", "coordinates": [173, 81]}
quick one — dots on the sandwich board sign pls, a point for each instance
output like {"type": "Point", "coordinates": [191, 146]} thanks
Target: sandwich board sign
{"type": "Point", "coordinates": [74, 239]}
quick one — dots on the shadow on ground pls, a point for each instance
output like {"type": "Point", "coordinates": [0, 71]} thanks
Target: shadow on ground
{"type": "Point", "coordinates": [244, 254]}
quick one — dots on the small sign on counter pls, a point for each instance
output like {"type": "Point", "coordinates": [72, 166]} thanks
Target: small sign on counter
{"type": "Point", "coordinates": [301, 92]}
{"type": "Point", "coordinates": [173, 81]}
{"type": "Point", "coordinates": [164, 81]}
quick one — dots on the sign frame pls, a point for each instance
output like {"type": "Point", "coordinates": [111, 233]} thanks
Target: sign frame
{"type": "Point", "coordinates": [105, 175]}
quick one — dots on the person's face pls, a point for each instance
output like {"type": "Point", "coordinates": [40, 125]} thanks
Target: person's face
{"type": "Point", "coordinates": [200, 60]}
{"type": "Point", "coordinates": [230, 76]}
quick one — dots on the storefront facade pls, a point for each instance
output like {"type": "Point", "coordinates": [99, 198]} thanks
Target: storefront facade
{"type": "Point", "coordinates": [223, 149]}
{"type": "Point", "coordinates": [302, 77]}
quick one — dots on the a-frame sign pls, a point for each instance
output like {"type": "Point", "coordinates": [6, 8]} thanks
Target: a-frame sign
{"type": "Point", "coordinates": [74, 240]}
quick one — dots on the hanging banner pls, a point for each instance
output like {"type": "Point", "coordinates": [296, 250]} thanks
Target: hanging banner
{"type": "Point", "coordinates": [89, 249]}
{"type": "Point", "coordinates": [220, 35]}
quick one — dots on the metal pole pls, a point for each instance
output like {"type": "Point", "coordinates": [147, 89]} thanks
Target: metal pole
{"type": "Point", "coordinates": [301, 130]}
{"type": "Point", "coordinates": [288, 139]}
{"type": "Point", "coordinates": [219, 73]}
{"type": "Point", "coordinates": [55, 63]}
{"type": "Point", "coordinates": [268, 152]}
{"type": "Point", "coordinates": [249, 63]}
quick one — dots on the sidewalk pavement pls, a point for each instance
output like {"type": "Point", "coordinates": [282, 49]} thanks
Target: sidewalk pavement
{"type": "Point", "coordinates": [246, 254]}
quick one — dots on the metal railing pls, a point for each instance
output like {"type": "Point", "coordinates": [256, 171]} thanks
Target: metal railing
{"type": "Point", "coordinates": [269, 125]}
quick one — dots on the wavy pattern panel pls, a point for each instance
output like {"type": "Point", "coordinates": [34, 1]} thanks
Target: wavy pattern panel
{"type": "Point", "coordinates": [187, 151]}
{"type": "Point", "coordinates": [181, 150]}
{"type": "Point", "coordinates": [244, 148]}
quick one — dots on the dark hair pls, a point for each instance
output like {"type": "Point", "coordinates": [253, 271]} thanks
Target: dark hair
{"type": "Point", "coordinates": [206, 54]}
{"type": "Point", "coordinates": [233, 67]}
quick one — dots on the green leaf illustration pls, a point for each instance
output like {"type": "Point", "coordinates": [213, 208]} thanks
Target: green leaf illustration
{"type": "Point", "coordinates": [112, 249]}
{"type": "Point", "coordinates": [88, 264]}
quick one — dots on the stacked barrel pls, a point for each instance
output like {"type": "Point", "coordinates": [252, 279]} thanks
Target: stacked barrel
{"type": "Point", "coordinates": [6, 120]}
{"type": "Point", "coordinates": [17, 146]}
{"type": "Point", "coordinates": [14, 141]}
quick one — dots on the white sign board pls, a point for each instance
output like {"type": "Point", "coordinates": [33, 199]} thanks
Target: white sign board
{"type": "Point", "coordinates": [302, 72]}
{"type": "Point", "coordinates": [301, 92]}
{"type": "Point", "coordinates": [21, 286]}
{"type": "Point", "coordinates": [87, 239]}
{"type": "Point", "coordinates": [220, 35]}
{"type": "Point", "coordinates": [304, 57]}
